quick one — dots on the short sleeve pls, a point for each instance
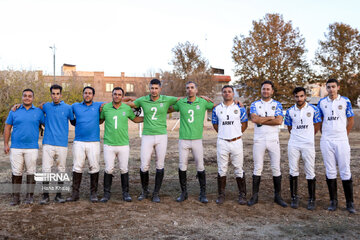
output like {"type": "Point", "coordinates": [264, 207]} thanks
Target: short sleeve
{"type": "Point", "coordinates": [102, 113]}
{"type": "Point", "coordinates": [288, 119]}
{"type": "Point", "coordinates": [243, 115]}
{"type": "Point", "coordinates": [176, 107]}
{"type": "Point", "coordinates": [253, 108]}
{"type": "Point", "coordinates": [279, 110]}
{"type": "Point", "coordinates": [171, 100]}
{"type": "Point", "coordinates": [317, 117]}
{"type": "Point", "coordinates": [131, 114]}
{"type": "Point", "coordinates": [209, 105]}
{"type": "Point", "coordinates": [321, 114]}
{"type": "Point", "coordinates": [42, 117]}
{"type": "Point", "coordinates": [70, 114]}
{"type": "Point", "coordinates": [10, 118]}
{"type": "Point", "coordinates": [214, 118]}
{"type": "Point", "coordinates": [349, 111]}
{"type": "Point", "coordinates": [137, 102]}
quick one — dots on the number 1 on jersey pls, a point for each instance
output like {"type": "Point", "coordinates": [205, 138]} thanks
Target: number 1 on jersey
{"type": "Point", "coordinates": [115, 119]}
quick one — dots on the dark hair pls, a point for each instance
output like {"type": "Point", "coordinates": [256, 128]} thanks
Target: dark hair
{"type": "Point", "coordinates": [191, 82]}
{"type": "Point", "coordinates": [55, 86]}
{"type": "Point", "coordinates": [155, 81]}
{"type": "Point", "coordinates": [268, 82]}
{"type": "Point", "coordinates": [299, 89]}
{"type": "Point", "coordinates": [332, 80]}
{"type": "Point", "coordinates": [227, 86]}
{"type": "Point", "coordinates": [88, 87]}
{"type": "Point", "coordinates": [28, 90]}
{"type": "Point", "coordinates": [118, 88]}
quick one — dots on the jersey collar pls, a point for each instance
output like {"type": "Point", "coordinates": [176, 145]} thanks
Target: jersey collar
{"type": "Point", "coordinates": [297, 109]}
{"type": "Point", "coordinates": [337, 99]}
{"type": "Point", "coordinates": [149, 98]}
{"type": "Point", "coordinates": [32, 106]}
{"type": "Point", "coordinates": [60, 103]}
{"type": "Point", "coordinates": [263, 102]}
{"type": "Point", "coordinates": [186, 100]}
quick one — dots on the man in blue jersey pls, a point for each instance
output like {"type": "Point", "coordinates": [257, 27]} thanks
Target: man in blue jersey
{"type": "Point", "coordinates": [24, 145]}
{"type": "Point", "coordinates": [55, 142]}
{"type": "Point", "coordinates": [86, 143]}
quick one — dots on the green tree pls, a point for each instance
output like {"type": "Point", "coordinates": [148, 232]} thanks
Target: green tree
{"type": "Point", "coordinates": [12, 83]}
{"type": "Point", "coordinates": [274, 51]}
{"type": "Point", "coordinates": [339, 57]}
{"type": "Point", "coordinates": [188, 65]}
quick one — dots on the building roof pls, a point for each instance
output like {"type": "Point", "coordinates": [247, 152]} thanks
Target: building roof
{"type": "Point", "coordinates": [222, 78]}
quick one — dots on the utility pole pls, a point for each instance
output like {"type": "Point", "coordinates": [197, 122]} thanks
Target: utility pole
{"type": "Point", "coordinates": [53, 48]}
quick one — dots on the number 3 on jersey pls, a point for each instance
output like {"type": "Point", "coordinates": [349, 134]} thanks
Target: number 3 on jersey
{"type": "Point", "coordinates": [191, 119]}
{"type": "Point", "coordinates": [154, 109]}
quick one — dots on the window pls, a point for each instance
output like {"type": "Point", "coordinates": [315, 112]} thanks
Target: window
{"type": "Point", "coordinates": [129, 87]}
{"type": "Point", "coordinates": [87, 84]}
{"type": "Point", "coordinates": [109, 87]}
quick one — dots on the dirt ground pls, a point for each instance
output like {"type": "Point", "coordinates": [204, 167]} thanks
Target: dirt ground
{"type": "Point", "coordinates": [190, 219]}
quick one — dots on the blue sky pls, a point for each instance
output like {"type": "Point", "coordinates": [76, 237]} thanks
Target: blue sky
{"type": "Point", "coordinates": [136, 37]}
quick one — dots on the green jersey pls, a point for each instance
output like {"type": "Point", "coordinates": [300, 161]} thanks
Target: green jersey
{"type": "Point", "coordinates": [155, 113]}
{"type": "Point", "coordinates": [116, 124]}
{"type": "Point", "coordinates": [192, 117]}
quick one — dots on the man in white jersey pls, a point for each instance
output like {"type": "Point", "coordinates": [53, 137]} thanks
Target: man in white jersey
{"type": "Point", "coordinates": [338, 120]}
{"type": "Point", "coordinates": [303, 121]}
{"type": "Point", "coordinates": [230, 121]}
{"type": "Point", "coordinates": [267, 115]}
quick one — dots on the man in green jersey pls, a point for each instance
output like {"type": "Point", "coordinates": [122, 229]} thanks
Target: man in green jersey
{"type": "Point", "coordinates": [155, 108]}
{"type": "Point", "coordinates": [192, 112]}
{"type": "Point", "coordinates": [116, 141]}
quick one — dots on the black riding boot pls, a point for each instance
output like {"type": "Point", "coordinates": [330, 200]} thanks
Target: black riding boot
{"type": "Point", "coordinates": [202, 181]}
{"type": "Point", "coordinates": [125, 187]}
{"type": "Point", "coordinates": [332, 186]}
{"type": "Point", "coordinates": [107, 187]}
{"type": "Point", "coordinates": [294, 191]}
{"type": "Point", "coordinates": [75, 195]}
{"type": "Point", "coordinates": [158, 181]}
{"type": "Point", "coordinates": [182, 179]}
{"type": "Point", "coordinates": [144, 176]}
{"type": "Point", "coordinates": [241, 182]}
{"type": "Point", "coordinates": [94, 181]}
{"type": "Point", "coordinates": [277, 192]}
{"type": "Point", "coordinates": [348, 191]}
{"type": "Point", "coordinates": [255, 190]}
{"type": "Point", "coordinates": [311, 189]}
{"type": "Point", "coordinates": [221, 189]}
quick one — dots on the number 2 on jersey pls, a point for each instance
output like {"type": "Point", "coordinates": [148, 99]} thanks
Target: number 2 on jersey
{"type": "Point", "coordinates": [191, 119]}
{"type": "Point", "coordinates": [155, 110]}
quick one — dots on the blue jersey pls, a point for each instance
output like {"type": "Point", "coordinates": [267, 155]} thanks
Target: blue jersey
{"type": "Point", "coordinates": [26, 125]}
{"type": "Point", "coordinates": [87, 127]}
{"type": "Point", "coordinates": [57, 118]}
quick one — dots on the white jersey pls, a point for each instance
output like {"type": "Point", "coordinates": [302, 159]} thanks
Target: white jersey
{"type": "Point", "coordinates": [302, 122]}
{"type": "Point", "coordinates": [266, 109]}
{"type": "Point", "coordinates": [335, 114]}
{"type": "Point", "coordinates": [229, 119]}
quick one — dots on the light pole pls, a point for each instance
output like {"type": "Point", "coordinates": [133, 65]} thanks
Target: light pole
{"type": "Point", "coordinates": [53, 48]}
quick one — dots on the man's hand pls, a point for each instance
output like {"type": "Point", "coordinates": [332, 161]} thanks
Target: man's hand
{"type": "Point", "coordinates": [207, 99]}
{"type": "Point", "coordinates": [41, 105]}
{"type": "Point", "coordinates": [101, 107]}
{"type": "Point", "coordinates": [15, 107]}
{"type": "Point", "coordinates": [6, 148]}
{"type": "Point", "coordinates": [238, 102]}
